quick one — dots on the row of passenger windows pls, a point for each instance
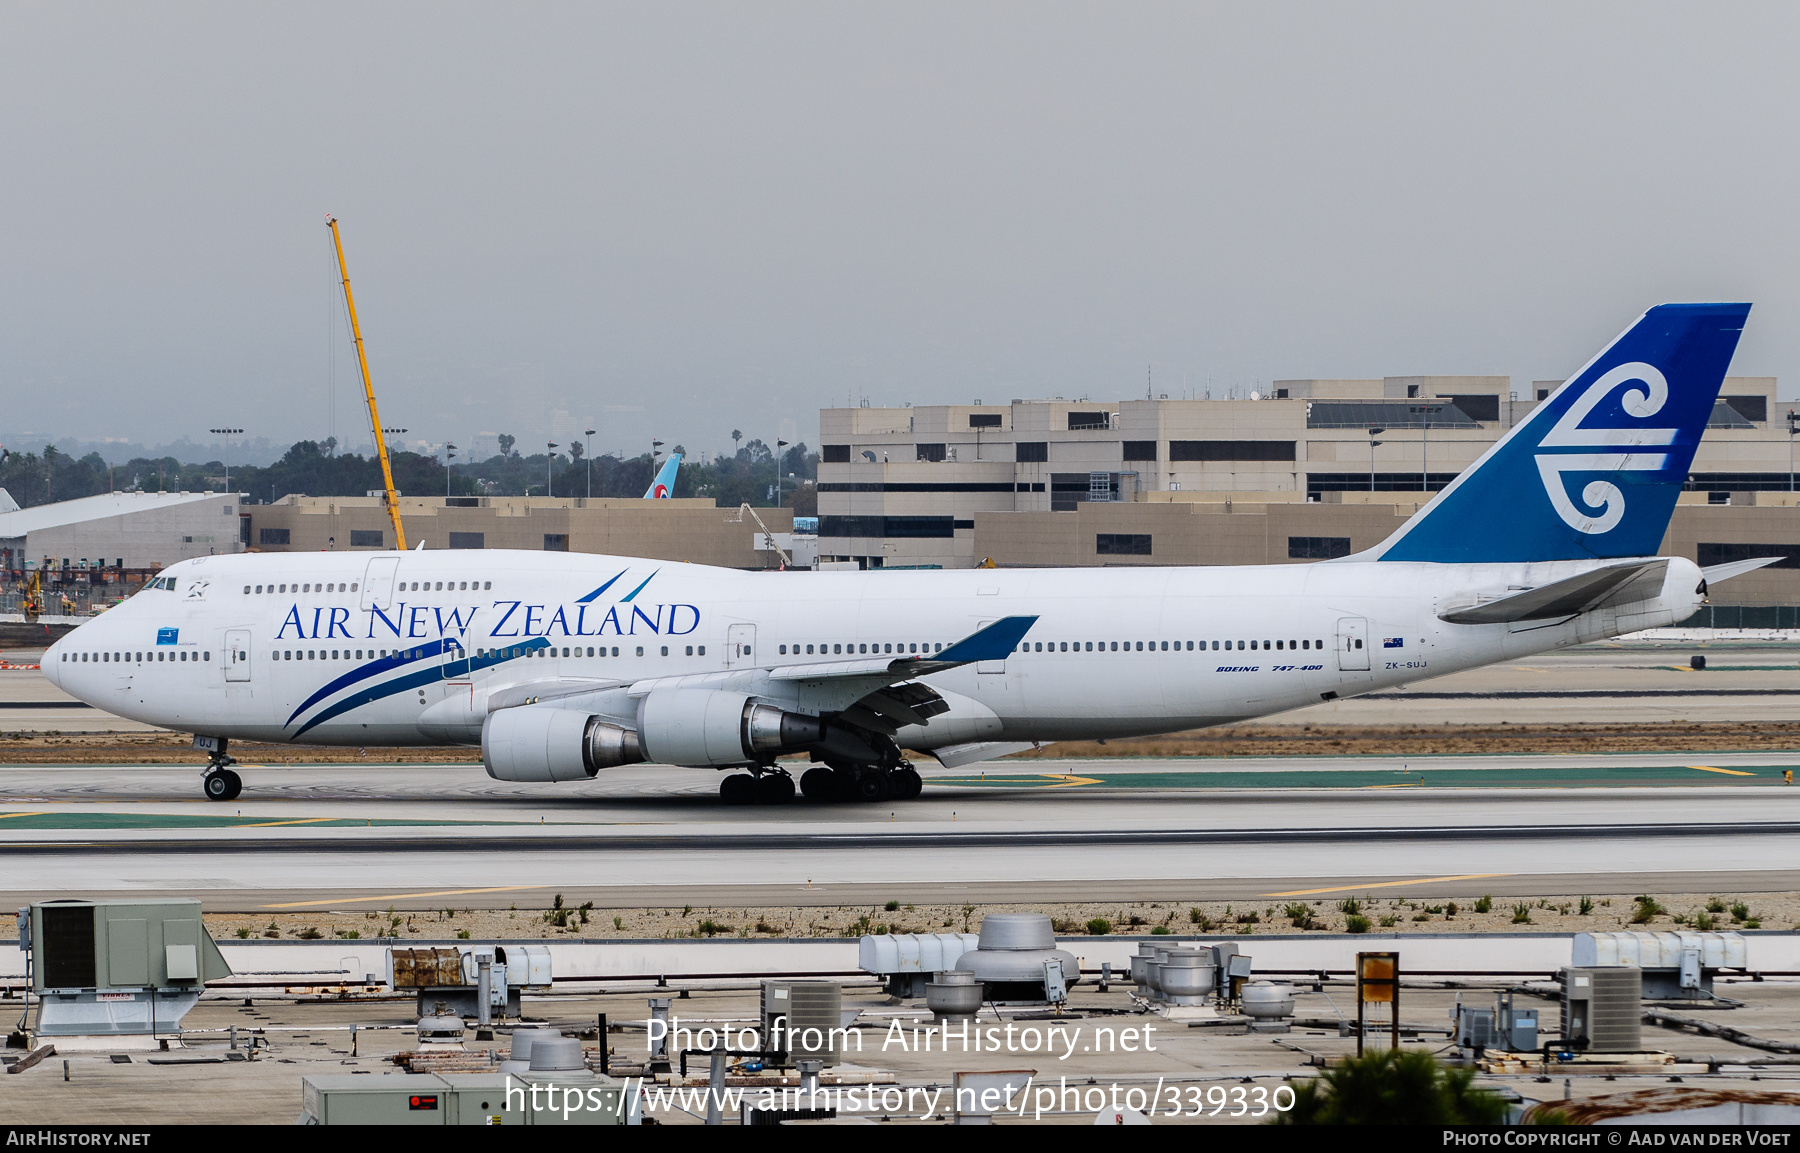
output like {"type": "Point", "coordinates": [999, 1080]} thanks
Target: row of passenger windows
{"type": "Point", "coordinates": [340, 587]}
{"type": "Point", "coordinates": [576, 651]}
{"type": "Point", "coordinates": [134, 658]}
{"type": "Point", "coordinates": [905, 648]}
{"type": "Point", "coordinates": [1166, 646]}
{"type": "Point", "coordinates": [902, 647]}
{"type": "Point", "coordinates": [521, 651]}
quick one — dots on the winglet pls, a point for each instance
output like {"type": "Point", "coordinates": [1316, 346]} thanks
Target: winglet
{"type": "Point", "coordinates": [994, 643]}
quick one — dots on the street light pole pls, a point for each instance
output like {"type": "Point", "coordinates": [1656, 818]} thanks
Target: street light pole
{"type": "Point", "coordinates": [549, 459]}
{"type": "Point", "coordinates": [1373, 445]}
{"type": "Point", "coordinates": [779, 445]}
{"type": "Point", "coordinates": [449, 455]}
{"type": "Point", "coordinates": [1425, 451]}
{"type": "Point", "coordinates": [230, 432]}
{"type": "Point", "coordinates": [587, 455]}
{"type": "Point", "coordinates": [1793, 423]}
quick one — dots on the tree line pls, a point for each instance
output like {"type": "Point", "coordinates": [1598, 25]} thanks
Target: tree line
{"type": "Point", "coordinates": [314, 468]}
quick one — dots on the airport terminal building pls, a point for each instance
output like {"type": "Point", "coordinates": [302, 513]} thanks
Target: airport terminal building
{"type": "Point", "coordinates": [1294, 476]}
{"type": "Point", "coordinates": [121, 530]}
{"type": "Point", "coordinates": [694, 530]}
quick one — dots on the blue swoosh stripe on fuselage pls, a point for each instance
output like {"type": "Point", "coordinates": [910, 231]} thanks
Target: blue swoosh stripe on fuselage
{"type": "Point", "coordinates": [589, 599]}
{"type": "Point", "coordinates": [399, 659]}
{"type": "Point", "coordinates": [447, 671]}
{"type": "Point", "coordinates": [632, 595]}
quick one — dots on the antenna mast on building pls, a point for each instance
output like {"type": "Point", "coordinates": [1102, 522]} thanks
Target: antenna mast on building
{"type": "Point", "coordinates": [387, 472]}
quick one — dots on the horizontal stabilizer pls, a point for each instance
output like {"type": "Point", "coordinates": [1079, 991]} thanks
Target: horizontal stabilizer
{"type": "Point", "coordinates": [1724, 572]}
{"type": "Point", "coordinates": [956, 756]}
{"type": "Point", "coordinates": [1620, 584]}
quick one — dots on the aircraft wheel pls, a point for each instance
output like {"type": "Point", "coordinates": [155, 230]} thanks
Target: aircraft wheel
{"type": "Point", "coordinates": [774, 789]}
{"type": "Point", "coordinates": [820, 784]}
{"type": "Point", "coordinates": [222, 785]}
{"type": "Point", "coordinates": [873, 786]}
{"type": "Point", "coordinates": [738, 789]}
{"type": "Point", "coordinates": [907, 784]}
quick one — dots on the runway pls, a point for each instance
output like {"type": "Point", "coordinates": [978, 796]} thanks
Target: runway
{"type": "Point", "coordinates": [327, 836]}
{"type": "Point", "coordinates": [1043, 830]}
{"type": "Point", "coordinates": [1616, 682]}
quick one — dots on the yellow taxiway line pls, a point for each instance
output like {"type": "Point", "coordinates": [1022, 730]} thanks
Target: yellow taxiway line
{"type": "Point", "coordinates": [1386, 884]}
{"type": "Point", "coordinates": [404, 896]}
{"type": "Point", "coordinates": [1727, 772]}
{"type": "Point", "coordinates": [297, 821]}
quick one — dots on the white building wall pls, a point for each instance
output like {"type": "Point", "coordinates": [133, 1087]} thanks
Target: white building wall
{"type": "Point", "coordinates": [148, 538]}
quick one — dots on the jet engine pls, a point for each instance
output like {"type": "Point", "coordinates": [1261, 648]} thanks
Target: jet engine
{"type": "Point", "coordinates": [545, 744]}
{"type": "Point", "coordinates": [714, 727]}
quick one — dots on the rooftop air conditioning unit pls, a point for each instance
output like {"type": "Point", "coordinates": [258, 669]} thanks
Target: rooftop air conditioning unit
{"type": "Point", "coordinates": [1602, 1010]}
{"type": "Point", "coordinates": [803, 1020]}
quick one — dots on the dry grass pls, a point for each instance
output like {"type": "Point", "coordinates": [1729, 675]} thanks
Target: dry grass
{"type": "Point", "coordinates": [1560, 914]}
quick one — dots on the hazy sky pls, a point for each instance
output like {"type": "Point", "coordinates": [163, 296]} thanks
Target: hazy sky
{"type": "Point", "coordinates": [678, 219]}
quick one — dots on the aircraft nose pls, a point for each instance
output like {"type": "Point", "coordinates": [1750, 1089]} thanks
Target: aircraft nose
{"type": "Point", "coordinates": [51, 663]}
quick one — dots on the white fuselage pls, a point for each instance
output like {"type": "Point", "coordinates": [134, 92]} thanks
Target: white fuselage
{"type": "Point", "coordinates": [392, 648]}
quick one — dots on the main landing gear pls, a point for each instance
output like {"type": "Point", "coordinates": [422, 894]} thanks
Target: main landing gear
{"type": "Point", "coordinates": [773, 786]}
{"type": "Point", "coordinates": [862, 783]}
{"type": "Point", "coordinates": [768, 787]}
{"type": "Point", "coordinates": [220, 783]}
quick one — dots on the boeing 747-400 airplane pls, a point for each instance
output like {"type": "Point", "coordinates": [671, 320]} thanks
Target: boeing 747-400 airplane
{"type": "Point", "coordinates": [562, 665]}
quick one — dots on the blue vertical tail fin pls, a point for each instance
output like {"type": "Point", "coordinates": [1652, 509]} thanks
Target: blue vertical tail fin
{"type": "Point", "coordinates": [663, 487]}
{"type": "Point", "coordinates": [1594, 471]}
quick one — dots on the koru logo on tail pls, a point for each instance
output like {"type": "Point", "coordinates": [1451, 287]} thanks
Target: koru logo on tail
{"type": "Point", "coordinates": [1604, 449]}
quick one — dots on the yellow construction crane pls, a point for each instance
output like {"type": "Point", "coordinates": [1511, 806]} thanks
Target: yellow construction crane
{"type": "Point", "coordinates": [387, 471]}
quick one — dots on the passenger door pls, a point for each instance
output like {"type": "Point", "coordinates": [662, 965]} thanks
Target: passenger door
{"type": "Point", "coordinates": [378, 582]}
{"type": "Point", "coordinates": [454, 660]}
{"type": "Point", "coordinates": [1352, 644]}
{"type": "Point", "coordinates": [237, 654]}
{"type": "Point", "coordinates": [740, 646]}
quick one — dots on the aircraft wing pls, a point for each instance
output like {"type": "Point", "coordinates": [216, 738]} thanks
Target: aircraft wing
{"type": "Point", "coordinates": [874, 693]}
{"type": "Point", "coordinates": [1615, 584]}
{"type": "Point", "coordinates": [993, 643]}
{"type": "Point", "coordinates": [878, 693]}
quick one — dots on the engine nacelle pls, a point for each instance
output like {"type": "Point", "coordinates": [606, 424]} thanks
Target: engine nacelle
{"type": "Point", "coordinates": [713, 727]}
{"type": "Point", "coordinates": [539, 744]}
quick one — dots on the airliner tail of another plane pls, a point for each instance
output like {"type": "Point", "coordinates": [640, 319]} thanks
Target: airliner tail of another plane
{"type": "Point", "coordinates": [663, 487]}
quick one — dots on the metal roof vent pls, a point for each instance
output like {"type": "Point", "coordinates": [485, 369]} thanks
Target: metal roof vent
{"type": "Point", "coordinates": [1010, 964]}
{"type": "Point", "coordinates": [556, 1054]}
{"type": "Point", "coordinates": [519, 1060]}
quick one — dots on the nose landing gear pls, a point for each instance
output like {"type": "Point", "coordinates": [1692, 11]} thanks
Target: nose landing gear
{"type": "Point", "coordinates": [219, 783]}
